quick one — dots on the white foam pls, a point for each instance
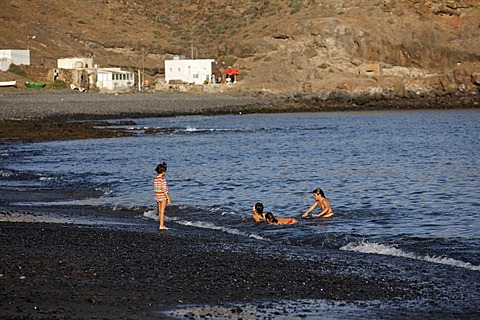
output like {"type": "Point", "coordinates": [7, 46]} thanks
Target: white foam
{"type": "Point", "coordinates": [152, 214]}
{"type": "Point", "coordinates": [43, 178]}
{"type": "Point", "coordinates": [105, 190]}
{"type": "Point", "coordinates": [193, 129]}
{"type": "Point", "coordinates": [376, 248]}
{"type": "Point", "coordinates": [209, 225]}
{"type": "Point", "coordinates": [6, 174]}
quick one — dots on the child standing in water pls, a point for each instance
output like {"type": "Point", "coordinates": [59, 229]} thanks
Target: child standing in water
{"type": "Point", "coordinates": [161, 193]}
{"type": "Point", "coordinates": [321, 202]}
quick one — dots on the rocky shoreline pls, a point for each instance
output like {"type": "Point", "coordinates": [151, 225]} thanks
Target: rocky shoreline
{"type": "Point", "coordinates": [71, 105]}
{"type": "Point", "coordinates": [44, 116]}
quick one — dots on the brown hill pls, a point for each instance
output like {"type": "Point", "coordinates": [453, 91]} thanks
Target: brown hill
{"type": "Point", "coordinates": [280, 46]}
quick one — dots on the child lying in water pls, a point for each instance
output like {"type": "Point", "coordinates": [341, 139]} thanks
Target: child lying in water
{"type": "Point", "coordinates": [271, 219]}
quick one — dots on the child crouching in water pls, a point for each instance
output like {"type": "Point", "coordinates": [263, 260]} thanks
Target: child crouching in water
{"type": "Point", "coordinates": [321, 202]}
{"type": "Point", "coordinates": [161, 193]}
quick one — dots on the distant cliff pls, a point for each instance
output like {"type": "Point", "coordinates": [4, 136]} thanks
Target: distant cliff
{"type": "Point", "coordinates": [377, 47]}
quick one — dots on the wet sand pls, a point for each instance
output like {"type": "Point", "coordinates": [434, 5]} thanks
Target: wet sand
{"type": "Point", "coordinates": [83, 262]}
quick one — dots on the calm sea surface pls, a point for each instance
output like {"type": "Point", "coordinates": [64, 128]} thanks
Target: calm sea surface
{"type": "Point", "coordinates": [400, 183]}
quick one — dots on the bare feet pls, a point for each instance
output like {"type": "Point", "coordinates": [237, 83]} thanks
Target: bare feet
{"type": "Point", "coordinates": [163, 228]}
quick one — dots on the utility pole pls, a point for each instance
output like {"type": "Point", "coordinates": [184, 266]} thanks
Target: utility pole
{"type": "Point", "coordinates": [29, 38]}
{"type": "Point", "coordinates": [143, 66]}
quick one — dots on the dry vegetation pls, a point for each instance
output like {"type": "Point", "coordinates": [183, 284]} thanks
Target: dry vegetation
{"type": "Point", "coordinates": [298, 45]}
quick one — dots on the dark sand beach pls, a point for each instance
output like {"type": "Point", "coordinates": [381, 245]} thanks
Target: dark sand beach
{"type": "Point", "coordinates": [82, 262]}
{"type": "Point", "coordinates": [85, 262]}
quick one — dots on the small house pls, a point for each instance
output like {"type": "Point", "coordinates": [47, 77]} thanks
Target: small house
{"type": "Point", "coordinates": [195, 71]}
{"type": "Point", "coordinates": [76, 71]}
{"type": "Point", "coordinates": [114, 79]}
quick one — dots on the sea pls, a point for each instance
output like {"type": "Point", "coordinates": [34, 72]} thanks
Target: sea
{"type": "Point", "coordinates": [401, 183]}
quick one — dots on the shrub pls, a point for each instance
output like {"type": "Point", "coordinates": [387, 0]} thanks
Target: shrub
{"type": "Point", "coordinates": [57, 84]}
{"type": "Point", "coordinates": [17, 70]}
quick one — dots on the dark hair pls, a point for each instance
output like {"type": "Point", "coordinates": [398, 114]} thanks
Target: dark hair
{"type": "Point", "coordinates": [259, 207]}
{"type": "Point", "coordinates": [319, 191]}
{"type": "Point", "coordinates": [270, 217]}
{"type": "Point", "coordinates": [161, 168]}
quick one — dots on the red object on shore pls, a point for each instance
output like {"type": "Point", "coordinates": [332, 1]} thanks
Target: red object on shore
{"type": "Point", "coordinates": [232, 71]}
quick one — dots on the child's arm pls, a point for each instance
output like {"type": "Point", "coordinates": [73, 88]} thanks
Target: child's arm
{"type": "Point", "coordinates": [169, 201]}
{"type": "Point", "coordinates": [310, 209]}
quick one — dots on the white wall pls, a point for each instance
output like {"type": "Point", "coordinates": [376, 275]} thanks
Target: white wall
{"type": "Point", "coordinates": [74, 63]}
{"type": "Point", "coordinates": [17, 57]}
{"type": "Point", "coordinates": [189, 71]}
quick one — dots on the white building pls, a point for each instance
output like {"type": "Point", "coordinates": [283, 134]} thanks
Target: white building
{"type": "Point", "coordinates": [75, 63]}
{"type": "Point", "coordinates": [195, 71]}
{"type": "Point", "coordinates": [18, 57]}
{"type": "Point", "coordinates": [111, 79]}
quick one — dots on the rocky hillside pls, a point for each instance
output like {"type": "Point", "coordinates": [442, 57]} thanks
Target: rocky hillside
{"type": "Point", "coordinates": [280, 46]}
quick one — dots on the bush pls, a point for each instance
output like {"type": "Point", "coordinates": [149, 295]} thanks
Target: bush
{"type": "Point", "coordinates": [57, 84]}
{"type": "Point", "coordinates": [17, 70]}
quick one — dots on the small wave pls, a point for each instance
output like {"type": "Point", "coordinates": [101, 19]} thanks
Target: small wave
{"type": "Point", "coordinates": [376, 248]}
{"type": "Point", "coordinates": [44, 178]}
{"type": "Point", "coordinates": [209, 225]}
{"type": "Point", "coordinates": [7, 174]}
{"type": "Point", "coordinates": [105, 190]}
{"type": "Point", "coordinates": [152, 214]}
{"type": "Point", "coordinates": [193, 129]}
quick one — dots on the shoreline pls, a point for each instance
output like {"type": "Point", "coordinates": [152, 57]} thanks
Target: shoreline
{"type": "Point", "coordinates": [68, 105]}
{"type": "Point", "coordinates": [66, 115]}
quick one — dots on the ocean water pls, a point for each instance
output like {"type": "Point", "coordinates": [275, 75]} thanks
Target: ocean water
{"type": "Point", "coordinates": [401, 183]}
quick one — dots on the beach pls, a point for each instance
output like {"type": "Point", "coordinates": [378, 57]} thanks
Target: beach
{"type": "Point", "coordinates": [72, 105]}
{"type": "Point", "coordinates": [93, 269]}
{"type": "Point", "coordinates": [91, 262]}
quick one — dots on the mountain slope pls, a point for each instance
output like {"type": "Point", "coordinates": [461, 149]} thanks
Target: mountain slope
{"type": "Point", "coordinates": [280, 46]}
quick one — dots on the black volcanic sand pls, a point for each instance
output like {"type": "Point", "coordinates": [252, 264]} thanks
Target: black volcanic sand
{"type": "Point", "coordinates": [94, 262]}
{"type": "Point", "coordinates": [72, 105]}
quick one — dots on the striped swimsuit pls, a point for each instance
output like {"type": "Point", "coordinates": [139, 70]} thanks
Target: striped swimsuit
{"type": "Point", "coordinates": [160, 188]}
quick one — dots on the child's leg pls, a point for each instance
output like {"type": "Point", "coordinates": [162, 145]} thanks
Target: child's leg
{"type": "Point", "coordinates": [161, 213]}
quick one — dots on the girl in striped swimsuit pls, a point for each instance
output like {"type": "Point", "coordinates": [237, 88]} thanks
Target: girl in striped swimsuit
{"type": "Point", "coordinates": [161, 193]}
